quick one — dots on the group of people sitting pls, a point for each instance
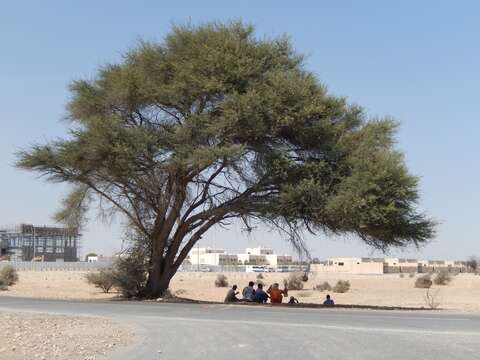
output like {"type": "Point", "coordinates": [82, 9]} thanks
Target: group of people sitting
{"type": "Point", "coordinates": [258, 295]}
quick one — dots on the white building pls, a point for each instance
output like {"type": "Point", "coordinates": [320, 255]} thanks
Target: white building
{"type": "Point", "coordinates": [252, 256]}
{"type": "Point", "coordinates": [259, 251]}
{"type": "Point", "coordinates": [277, 260]}
{"type": "Point", "coordinates": [253, 259]}
{"type": "Point", "coordinates": [211, 256]}
{"type": "Point", "coordinates": [357, 265]}
{"type": "Point", "coordinates": [92, 258]}
{"type": "Point", "coordinates": [264, 256]}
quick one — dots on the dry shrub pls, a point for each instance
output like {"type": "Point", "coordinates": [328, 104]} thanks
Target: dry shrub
{"type": "Point", "coordinates": [423, 282]}
{"type": "Point", "coordinates": [304, 277]}
{"type": "Point", "coordinates": [130, 275]}
{"type": "Point", "coordinates": [260, 276]}
{"type": "Point", "coordinates": [221, 281]}
{"type": "Point", "coordinates": [411, 275]}
{"type": "Point", "coordinates": [9, 275]}
{"type": "Point", "coordinates": [3, 285]}
{"type": "Point", "coordinates": [472, 265]}
{"type": "Point", "coordinates": [342, 286]}
{"type": "Point", "coordinates": [103, 279]}
{"type": "Point", "coordinates": [402, 275]}
{"type": "Point", "coordinates": [294, 282]}
{"type": "Point", "coordinates": [431, 299]}
{"type": "Point", "coordinates": [442, 278]}
{"type": "Point", "coordinates": [325, 286]}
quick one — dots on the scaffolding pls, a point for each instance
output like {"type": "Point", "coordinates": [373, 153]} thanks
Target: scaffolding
{"type": "Point", "coordinates": [26, 242]}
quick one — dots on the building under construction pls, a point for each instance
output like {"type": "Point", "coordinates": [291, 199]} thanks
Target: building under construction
{"type": "Point", "coordinates": [28, 242]}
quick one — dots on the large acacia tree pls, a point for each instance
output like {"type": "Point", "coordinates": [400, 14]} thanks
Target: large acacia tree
{"type": "Point", "coordinates": [213, 124]}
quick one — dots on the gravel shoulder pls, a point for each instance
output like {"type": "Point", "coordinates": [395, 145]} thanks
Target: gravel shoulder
{"type": "Point", "coordinates": [61, 337]}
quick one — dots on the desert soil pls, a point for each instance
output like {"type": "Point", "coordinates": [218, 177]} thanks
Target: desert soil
{"type": "Point", "coordinates": [38, 336]}
{"type": "Point", "coordinates": [463, 293]}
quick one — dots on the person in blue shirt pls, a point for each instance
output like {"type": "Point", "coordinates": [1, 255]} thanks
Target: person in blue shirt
{"type": "Point", "coordinates": [328, 301]}
{"type": "Point", "coordinates": [260, 295]}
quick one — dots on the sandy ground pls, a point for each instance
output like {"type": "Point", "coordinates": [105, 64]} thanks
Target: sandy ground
{"type": "Point", "coordinates": [463, 293]}
{"type": "Point", "coordinates": [54, 284]}
{"type": "Point", "coordinates": [37, 336]}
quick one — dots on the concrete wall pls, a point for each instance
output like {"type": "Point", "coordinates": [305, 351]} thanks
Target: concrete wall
{"type": "Point", "coordinates": [349, 267]}
{"type": "Point", "coordinates": [56, 266]}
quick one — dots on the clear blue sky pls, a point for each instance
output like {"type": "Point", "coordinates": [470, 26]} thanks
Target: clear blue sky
{"type": "Point", "coordinates": [417, 61]}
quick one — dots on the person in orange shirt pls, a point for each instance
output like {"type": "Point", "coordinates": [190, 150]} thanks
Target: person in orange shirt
{"type": "Point", "coordinates": [276, 295]}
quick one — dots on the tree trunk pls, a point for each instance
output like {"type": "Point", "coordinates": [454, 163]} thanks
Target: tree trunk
{"type": "Point", "coordinates": [159, 274]}
{"type": "Point", "coordinates": [158, 280]}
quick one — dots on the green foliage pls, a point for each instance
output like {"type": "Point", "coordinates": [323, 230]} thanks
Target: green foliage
{"type": "Point", "coordinates": [103, 279]}
{"type": "Point", "coordinates": [342, 286]}
{"type": "Point", "coordinates": [424, 282]}
{"type": "Point", "coordinates": [214, 123]}
{"type": "Point", "coordinates": [9, 275]}
{"type": "Point", "coordinates": [130, 275]}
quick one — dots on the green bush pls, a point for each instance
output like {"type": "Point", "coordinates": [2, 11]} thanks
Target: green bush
{"type": "Point", "coordinates": [342, 286]}
{"type": "Point", "coordinates": [130, 275]}
{"type": "Point", "coordinates": [221, 281]}
{"type": "Point", "coordinates": [423, 282]}
{"type": "Point", "coordinates": [103, 279]}
{"type": "Point", "coordinates": [325, 286]}
{"type": "Point", "coordinates": [442, 278]}
{"type": "Point", "coordinates": [9, 275]}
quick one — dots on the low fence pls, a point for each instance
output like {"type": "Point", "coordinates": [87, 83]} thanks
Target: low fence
{"type": "Point", "coordinates": [92, 266]}
{"type": "Point", "coordinates": [240, 268]}
{"type": "Point", "coordinates": [56, 266]}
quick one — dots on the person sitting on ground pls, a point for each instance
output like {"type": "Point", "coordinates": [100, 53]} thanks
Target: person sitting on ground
{"type": "Point", "coordinates": [328, 301]}
{"type": "Point", "coordinates": [276, 295]}
{"type": "Point", "coordinates": [293, 300]}
{"type": "Point", "coordinates": [232, 295]}
{"type": "Point", "coordinates": [260, 295]}
{"type": "Point", "coordinates": [248, 292]}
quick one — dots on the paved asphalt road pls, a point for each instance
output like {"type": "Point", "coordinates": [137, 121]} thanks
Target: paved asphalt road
{"type": "Point", "coordinates": [190, 331]}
